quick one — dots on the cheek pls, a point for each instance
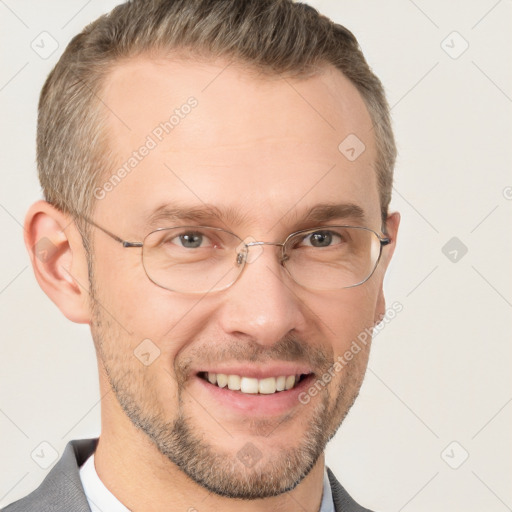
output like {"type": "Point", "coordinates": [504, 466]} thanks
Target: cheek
{"type": "Point", "coordinates": [143, 311]}
{"type": "Point", "coordinates": [126, 292]}
{"type": "Point", "coordinates": [345, 316]}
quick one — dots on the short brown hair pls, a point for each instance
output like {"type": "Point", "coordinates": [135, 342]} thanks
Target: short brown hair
{"type": "Point", "coordinates": [273, 36]}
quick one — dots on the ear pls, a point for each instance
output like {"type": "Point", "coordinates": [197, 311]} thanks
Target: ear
{"type": "Point", "coordinates": [59, 259]}
{"type": "Point", "coordinates": [392, 223]}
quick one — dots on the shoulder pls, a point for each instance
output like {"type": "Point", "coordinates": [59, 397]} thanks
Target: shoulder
{"type": "Point", "coordinates": [61, 490]}
{"type": "Point", "coordinates": [343, 502]}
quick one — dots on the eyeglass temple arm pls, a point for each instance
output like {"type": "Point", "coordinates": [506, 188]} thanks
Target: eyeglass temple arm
{"type": "Point", "coordinates": [125, 243]}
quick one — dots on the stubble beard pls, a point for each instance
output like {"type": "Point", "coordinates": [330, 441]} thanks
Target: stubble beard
{"type": "Point", "coordinates": [181, 440]}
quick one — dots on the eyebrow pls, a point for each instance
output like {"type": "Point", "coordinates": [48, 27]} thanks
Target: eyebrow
{"type": "Point", "coordinates": [206, 213]}
{"type": "Point", "coordinates": [328, 211]}
{"type": "Point", "coordinates": [203, 213]}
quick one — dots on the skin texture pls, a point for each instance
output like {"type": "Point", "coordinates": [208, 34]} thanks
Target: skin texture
{"type": "Point", "coordinates": [268, 148]}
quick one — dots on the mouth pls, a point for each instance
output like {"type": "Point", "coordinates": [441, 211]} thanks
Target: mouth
{"type": "Point", "coordinates": [254, 386]}
{"type": "Point", "coordinates": [241, 390]}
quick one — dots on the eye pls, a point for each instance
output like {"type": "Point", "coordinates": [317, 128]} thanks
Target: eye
{"type": "Point", "coordinates": [324, 238]}
{"type": "Point", "coordinates": [190, 240]}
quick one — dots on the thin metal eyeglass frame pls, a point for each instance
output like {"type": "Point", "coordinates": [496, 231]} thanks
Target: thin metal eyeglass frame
{"type": "Point", "coordinates": [126, 244]}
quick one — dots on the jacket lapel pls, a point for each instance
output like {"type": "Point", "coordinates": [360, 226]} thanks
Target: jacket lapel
{"type": "Point", "coordinates": [343, 502]}
{"type": "Point", "coordinates": [61, 490]}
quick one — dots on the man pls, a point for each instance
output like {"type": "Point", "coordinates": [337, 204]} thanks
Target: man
{"type": "Point", "coordinates": [217, 177]}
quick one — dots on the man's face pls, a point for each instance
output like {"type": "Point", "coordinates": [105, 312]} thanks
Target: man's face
{"type": "Point", "coordinates": [266, 148]}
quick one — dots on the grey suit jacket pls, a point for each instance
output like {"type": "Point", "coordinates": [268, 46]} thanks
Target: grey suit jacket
{"type": "Point", "coordinates": [62, 491]}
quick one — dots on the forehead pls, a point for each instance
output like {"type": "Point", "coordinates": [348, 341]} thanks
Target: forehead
{"type": "Point", "coordinates": [216, 133]}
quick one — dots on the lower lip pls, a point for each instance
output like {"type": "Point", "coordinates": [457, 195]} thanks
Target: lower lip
{"type": "Point", "coordinates": [252, 404]}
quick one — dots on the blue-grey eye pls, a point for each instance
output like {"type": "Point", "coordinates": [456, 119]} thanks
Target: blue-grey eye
{"type": "Point", "coordinates": [191, 240]}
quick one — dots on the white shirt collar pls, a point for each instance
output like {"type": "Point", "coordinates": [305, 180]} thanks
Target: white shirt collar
{"type": "Point", "coordinates": [100, 499]}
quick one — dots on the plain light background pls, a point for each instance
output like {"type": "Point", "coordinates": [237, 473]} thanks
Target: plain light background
{"type": "Point", "coordinates": [438, 387]}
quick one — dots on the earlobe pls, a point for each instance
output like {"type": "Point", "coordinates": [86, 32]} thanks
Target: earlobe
{"type": "Point", "coordinates": [58, 259]}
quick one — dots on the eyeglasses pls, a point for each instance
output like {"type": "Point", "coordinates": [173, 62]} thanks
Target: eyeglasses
{"type": "Point", "coordinates": [200, 259]}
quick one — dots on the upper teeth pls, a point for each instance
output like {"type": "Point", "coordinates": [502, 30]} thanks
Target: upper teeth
{"type": "Point", "coordinates": [265, 386]}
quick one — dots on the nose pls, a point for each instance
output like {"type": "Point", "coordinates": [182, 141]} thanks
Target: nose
{"type": "Point", "coordinates": [262, 304]}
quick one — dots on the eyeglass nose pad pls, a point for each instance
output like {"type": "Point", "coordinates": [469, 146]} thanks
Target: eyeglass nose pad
{"type": "Point", "coordinates": [242, 253]}
{"type": "Point", "coordinates": [248, 256]}
{"type": "Point", "coordinates": [241, 256]}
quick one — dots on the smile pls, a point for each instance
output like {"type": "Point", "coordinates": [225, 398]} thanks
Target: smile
{"type": "Point", "coordinates": [251, 385]}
